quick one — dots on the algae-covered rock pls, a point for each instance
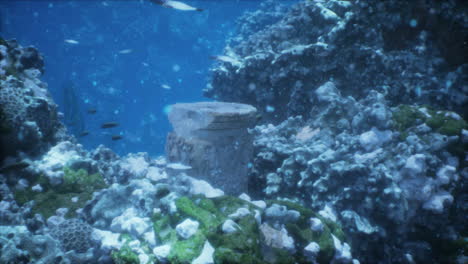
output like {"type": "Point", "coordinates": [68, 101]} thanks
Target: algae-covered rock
{"type": "Point", "coordinates": [257, 238]}
{"type": "Point", "coordinates": [77, 188]}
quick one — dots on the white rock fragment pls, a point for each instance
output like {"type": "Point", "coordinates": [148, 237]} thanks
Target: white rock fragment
{"type": "Point", "coordinates": [54, 221]}
{"type": "Point", "coordinates": [415, 164]}
{"type": "Point", "coordinates": [150, 238]}
{"type": "Point", "coordinates": [61, 155]}
{"type": "Point", "coordinates": [316, 224]}
{"type": "Point", "coordinates": [437, 202]}
{"type": "Point", "coordinates": [129, 222]}
{"type": "Point", "coordinates": [230, 226]}
{"type": "Point", "coordinates": [311, 251]}
{"type": "Point", "coordinates": [134, 245]}
{"type": "Point", "coordinates": [258, 217]}
{"type": "Point", "coordinates": [206, 256]}
{"type": "Point", "coordinates": [61, 212]}
{"type": "Point", "coordinates": [108, 239]}
{"type": "Point", "coordinates": [288, 241]}
{"type": "Point", "coordinates": [327, 92]}
{"type": "Point", "coordinates": [203, 187]}
{"type": "Point", "coordinates": [367, 157]}
{"type": "Point", "coordinates": [4, 205]}
{"type": "Point", "coordinates": [328, 212]}
{"type": "Point", "coordinates": [374, 138]}
{"type": "Point", "coordinates": [327, 14]}
{"type": "Point", "coordinates": [156, 174]}
{"type": "Point", "coordinates": [261, 204]}
{"type": "Point", "coordinates": [37, 188]}
{"type": "Point", "coordinates": [277, 238]}
{"type": "Point", "coordinates": [424, 111]}
{"type": "Point", "coordinates": [453, 115]}
{"type": "Point", "coordinates": [239, 213]}
{"type": "Point", "coordinates": [464, 134]}
{"type": "Point", "coordinates": [358, 222]}
{"type": "Point", "coordinates": [446, 174]}
{"type": "Point", "coordinates": [245, 197]}
{"type": "Point", "coordinates": [342, 251]}
{"type": "Point", "coordinates": [187, 228]}
{"type": "Point", "coordinates": [281, 213]}
{"type": "Point", "coordinates": [143, 258]}
{"type": "Point", "coordinates": [162, 252]}
{"type": "Point", "coordinates": [137, 166]}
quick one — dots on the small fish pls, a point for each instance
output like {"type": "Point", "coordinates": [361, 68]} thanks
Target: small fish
{"type": "Point", "coordinates": [92, 111]}
{"type": "Point", "coordinates": [116, 137]}
{"type": "Point", "coordinates": [109, 125]}
{"type": "Point", "coordinates": [258, 117]}
{"type": "Point", "coordinates": [145, 64]}
{"type": "Point", "coordinates": [84, 133]}
{"type": "Point", "coordinates": [15, 166]}
{"type": "Point", "coordinates": [72, 41]}
{"type": "Point", "coordinates": [227, 59]}
{"type": "Point", "coordinates": [125, 51]}
{"type": "Point", "coordinates": [176, 5]}
{"type": "Point", "coordinates": [165, 86]}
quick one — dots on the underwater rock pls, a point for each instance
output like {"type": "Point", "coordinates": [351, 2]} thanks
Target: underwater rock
{"type": "Point", "coordinates": [311, 252]}
{"type": "Point", "coordinates": [28, 116]}
{"type": "Point", "coordinates": [130, 223]}
{"type": "Point", "coordinates": [396, 173]}
{"type": "Point", "coordinates": [406, 50]}
{"type": "Point", "coordinates": [108, 239]}
{"type": "Point", "coordinates": [212, 138]}
{"type": "Point", "coordinates": [342, 252]}
{"type": "Point", "coordinates": [161, 252]}
{"type": "Point", "coordinates": [64, 154]}
{"type": "Point", "coordinates": [187, 228]}
{"type": "Point", "coordinates": [21, 246]}
{"type": "Point", "coordinates": [206, 256]}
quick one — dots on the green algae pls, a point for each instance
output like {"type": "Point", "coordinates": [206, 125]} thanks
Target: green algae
{"type": "Point", "coordinates": [407, 116]}
{"type": "Point", "coordinates": [183, 251]}
{"type": "Point", "coordinates": [244, 245]}
{"type": "Point", "coordinates": [245, 241]}
{"type": "Point", "coordinates": [188, 208]}
{"type": "Point", "coordinates": [77, 185]}
{"type": "Point", "coordinates": [125, 256]}
{"type": "Point", "coordinates": [81, 181]}
{"type": "Point", "coordinates": [303, 234]}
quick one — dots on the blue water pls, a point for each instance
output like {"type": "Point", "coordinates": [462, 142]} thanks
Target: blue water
{"type": "Point", "coordinates": [168, 47]}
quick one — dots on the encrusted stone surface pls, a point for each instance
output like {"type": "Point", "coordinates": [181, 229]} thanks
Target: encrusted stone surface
{"type": "Point", "coordinates": [212, 138]}
{"type": "Point", "coordinates": [28, 116]}
{"type": "Point", "coordinates": [404, 49]}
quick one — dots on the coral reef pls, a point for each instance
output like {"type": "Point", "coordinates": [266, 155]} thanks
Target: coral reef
{"type": "Point", "coordinates": [415, 53]}
{"type": "Point", "coordinates": [73, 234]}
{"type": "Point", "coordinates": [28, 116]}
{"type": "Point", "coordinates": [363, 119]}
{"type": "Point", "coordinates": [373, 169]}
{"type": "Point", "coordinates": [383, 170]}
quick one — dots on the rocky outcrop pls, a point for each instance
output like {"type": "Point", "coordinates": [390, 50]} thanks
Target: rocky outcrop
{"type": "Point", "coordinates": [405, 50]}
{"type": "Point", "coordinates": [382, 170]}
{"type": "Point", "coordinates": [29, 119]}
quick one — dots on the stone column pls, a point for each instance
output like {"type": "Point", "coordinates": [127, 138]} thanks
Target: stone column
{"type": "Point", "coordinates": [212, 138]}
